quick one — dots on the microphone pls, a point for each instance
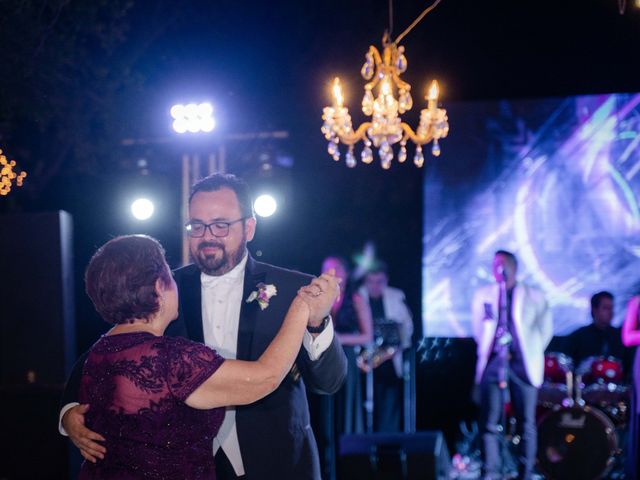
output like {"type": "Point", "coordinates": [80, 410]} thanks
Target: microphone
{"type": "Point", "coordinates": [502, 273]}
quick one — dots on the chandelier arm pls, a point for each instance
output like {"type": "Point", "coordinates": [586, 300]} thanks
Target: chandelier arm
{"type": "Point", "coordinates": [415, 138]}
{"type": "Point", "coordinates": [400, 83]}
{"type": "Point", "coordinates": [355, 137]}
{"type": "Point", "coordinates": [416, 21]}
{"type": "Point", "coordinates": [377, 58]}
{"type": "Point", "coordinates": [371, 85]}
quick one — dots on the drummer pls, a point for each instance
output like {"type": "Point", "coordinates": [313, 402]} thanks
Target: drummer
{"type": "Point", "coordinates": [599, 338]}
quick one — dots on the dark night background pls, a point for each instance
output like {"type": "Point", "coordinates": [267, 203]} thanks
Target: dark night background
{"type": "Point", "coordinates": [79, 77]}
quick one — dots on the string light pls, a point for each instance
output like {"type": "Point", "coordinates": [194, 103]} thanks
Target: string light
{"type": "Point", "coordinates": [8, 176]}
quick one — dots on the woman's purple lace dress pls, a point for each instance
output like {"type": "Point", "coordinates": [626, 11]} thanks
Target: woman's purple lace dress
{"type": "Point", "coordinates": [136, 384]}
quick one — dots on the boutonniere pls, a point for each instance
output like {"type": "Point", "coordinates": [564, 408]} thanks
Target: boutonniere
{"type": "Point", "coordinates": [263, 294]}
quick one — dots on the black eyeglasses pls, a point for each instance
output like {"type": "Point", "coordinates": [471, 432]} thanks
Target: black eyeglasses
{"type": "Point", "coordinates": [197, 229]}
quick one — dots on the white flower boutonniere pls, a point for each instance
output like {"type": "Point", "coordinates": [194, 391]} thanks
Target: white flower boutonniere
{"type": "Point", "coordinates": [263, 294]}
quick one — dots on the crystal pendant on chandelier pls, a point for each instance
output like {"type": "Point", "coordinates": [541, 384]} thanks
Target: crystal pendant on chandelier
{"type": "Point", "coordinates": [401, 62]}
{"type": "Point", "coordinates": [418, 158]}
{"type": "Point", "coordinates": [405, 102]}
{"type": "Point", "coordinates": [367, 155]}
{"type": "Point", "coordinates": [326, 131]}
{"type": "Point", "coordinates": [350, 158]}
{"type": "Point", "coordinates": [332, 148]}
{"type": "Point", "coordinates": [435, 149]}
{"type": "Point", "coordinates": [402, 154]}
{"type": "Point", "coordinates": [368, 67]}
{"type": "Point", "coordinates": [367, 103]}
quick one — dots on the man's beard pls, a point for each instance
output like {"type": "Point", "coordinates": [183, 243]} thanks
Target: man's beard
{"type": "Point", "coordinates": [218, 265]}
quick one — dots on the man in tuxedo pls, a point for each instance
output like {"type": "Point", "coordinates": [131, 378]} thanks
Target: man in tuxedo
{"type": "Point", "coordinates": [236, 305]}
{"type": "Point", "coordinates": [512, 326]}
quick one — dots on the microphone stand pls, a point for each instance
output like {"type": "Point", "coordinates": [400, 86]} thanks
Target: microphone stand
{"type": "Point", "coordinates": [503, 377]}
{"type": "Point", "coordinates": [503, 372]}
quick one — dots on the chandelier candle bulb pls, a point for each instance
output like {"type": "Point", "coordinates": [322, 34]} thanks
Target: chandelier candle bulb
{"type": "Point", "coordinates": [337, 93]}
{"type": "Point", "coordinates": [432, 98]}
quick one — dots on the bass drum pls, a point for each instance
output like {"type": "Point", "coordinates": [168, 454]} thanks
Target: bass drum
{"type": "Point", "coordinates": [577, 443]}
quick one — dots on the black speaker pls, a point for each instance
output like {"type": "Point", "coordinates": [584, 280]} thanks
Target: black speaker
{"type": "Point", "coordinates": [37, 322]}
{"type": "Point", "coordinates": [30, 443]}
{"type": "Point", "coordinates": [387, 456]}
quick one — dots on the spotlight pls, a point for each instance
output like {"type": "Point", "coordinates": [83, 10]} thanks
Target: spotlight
{"type": "Point", "coordinates": [142, 209]}
{"type": "Point", "coordinates": [265, 205]}
{"type": "Point", "coordinates": [193, 118]}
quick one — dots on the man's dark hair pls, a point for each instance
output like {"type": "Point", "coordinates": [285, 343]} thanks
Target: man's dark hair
{"type": "Point", "coordinates": [218, 181]}
{"type": "Point", "coordinates": [121, 278]}
{"type": "Point", "coordinates": [597, 298]}
{"type": "Point", "coordinates": [510, 256]}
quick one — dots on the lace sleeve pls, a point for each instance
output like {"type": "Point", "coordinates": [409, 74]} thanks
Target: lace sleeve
{"type": "Point", "coordinates": [189, 364]}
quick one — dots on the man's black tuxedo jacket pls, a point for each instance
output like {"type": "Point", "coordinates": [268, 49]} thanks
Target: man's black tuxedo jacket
{"type": "Point", "coordinates": [275, 436]}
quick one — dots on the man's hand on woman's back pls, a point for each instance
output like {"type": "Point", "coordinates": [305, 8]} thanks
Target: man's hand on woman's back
{"type": "Point", "coordinates": [83, 438]}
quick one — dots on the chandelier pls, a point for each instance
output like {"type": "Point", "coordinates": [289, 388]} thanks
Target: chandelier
{"type": "Point", "coordinates": [386, 96]}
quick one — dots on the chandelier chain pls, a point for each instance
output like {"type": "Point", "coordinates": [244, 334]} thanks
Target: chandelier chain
{"type": "Point", "coordinates": [416, 21]}
{"type": "Point", "coordinates": [390, 18]}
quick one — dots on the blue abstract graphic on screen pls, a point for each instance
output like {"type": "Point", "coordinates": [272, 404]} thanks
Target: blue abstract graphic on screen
{"type": "Point", "coordinates": [557, 182]}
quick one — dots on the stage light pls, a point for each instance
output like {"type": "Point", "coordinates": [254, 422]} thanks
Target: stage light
{"type": "Point", "coordinates": [193, 118]}
{"type": "Point", "coordinates": [142, 209]}
{"type": "Point", "coordinates": [265, 205]}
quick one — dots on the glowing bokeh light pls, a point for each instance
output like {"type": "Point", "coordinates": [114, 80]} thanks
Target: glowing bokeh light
{"type": "Point", "coordinates": [142, 209]}
{"type": "Point", "coordinates": [265, 205]}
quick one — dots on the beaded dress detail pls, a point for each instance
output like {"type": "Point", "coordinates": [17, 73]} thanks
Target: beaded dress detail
{"type": "Point", "coordinates": [136, 385]}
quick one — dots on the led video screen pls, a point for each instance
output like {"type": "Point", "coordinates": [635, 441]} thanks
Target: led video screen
{"type": "Point", "coordinates": [556, 181]}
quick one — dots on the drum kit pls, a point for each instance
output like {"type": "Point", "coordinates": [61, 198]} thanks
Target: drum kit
{"type": "Point", "coordinates": [582, 417]}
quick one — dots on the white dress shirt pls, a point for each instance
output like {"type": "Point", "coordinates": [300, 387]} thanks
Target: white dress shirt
{"type": "Point", "coordinates": [221, 304]}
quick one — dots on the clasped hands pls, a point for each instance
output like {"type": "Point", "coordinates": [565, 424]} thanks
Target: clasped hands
{"type": "Point", "coordinates": [320, 296]}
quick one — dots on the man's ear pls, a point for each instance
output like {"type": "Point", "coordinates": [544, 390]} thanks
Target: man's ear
{"type": "Point", "coordinates": [250, 229]}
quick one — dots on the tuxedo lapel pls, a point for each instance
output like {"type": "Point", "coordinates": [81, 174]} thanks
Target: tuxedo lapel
{"type": "Point", "coordinates": [191, 295]}
{"type": "Point", "coordinates": [516, 309]}
{"type": "Point", "coordinates": [248, 311]}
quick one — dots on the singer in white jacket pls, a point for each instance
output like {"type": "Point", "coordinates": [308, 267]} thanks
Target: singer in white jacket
{"type": "Point", "coordinates": [512, 326]}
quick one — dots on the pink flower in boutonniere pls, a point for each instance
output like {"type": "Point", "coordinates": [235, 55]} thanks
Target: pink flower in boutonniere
{"type": "Point", "coordinates": [263, 294]}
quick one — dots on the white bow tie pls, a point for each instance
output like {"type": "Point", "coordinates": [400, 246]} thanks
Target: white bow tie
{"type": "Point", "coordinates": [209, 281]}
